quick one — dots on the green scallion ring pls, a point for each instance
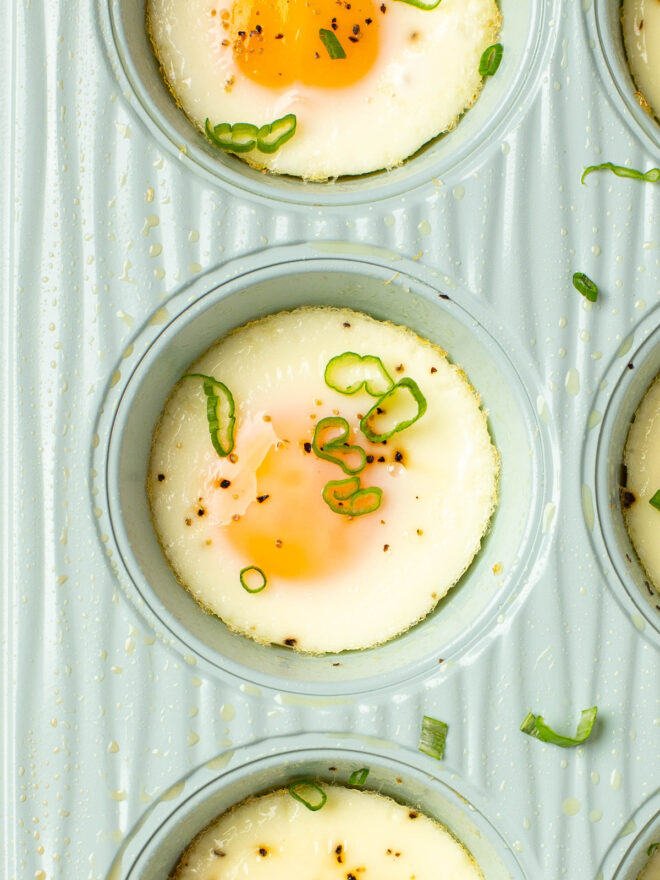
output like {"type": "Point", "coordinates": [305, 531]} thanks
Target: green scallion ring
{"type": "Point", "coordinates": [307, 783]}
{"type": "Point", "coordinates": [655, 501]}
{"type": "Point", "coordinates": [358, 777]}
{"type": "Point", "coordinates": [245, 571]}
{"type": "Point", "coordinates": [584, 285]}
{"type": "Point", "coordinates": [491, 60]}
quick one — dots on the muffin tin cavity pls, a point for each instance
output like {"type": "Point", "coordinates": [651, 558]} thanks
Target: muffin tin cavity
{"type": "Point", "coordinates": [161, 837]}
{"type": "Point", "coordinates": [627, 856]}
{"type": "Point", "coordinates": [525, 39]}
{"type": "Point", "coordinates": [615, 72]}
{"type": "Point", "coordinates": [629, 378]}
{"type": "Point", "coordinates": [509, 550]}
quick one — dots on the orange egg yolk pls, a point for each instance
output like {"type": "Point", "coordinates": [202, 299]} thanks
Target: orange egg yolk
{"type": "Point", "coordinates": [280, 42]}
{"type": "Point", "coordinates": [291, 532]}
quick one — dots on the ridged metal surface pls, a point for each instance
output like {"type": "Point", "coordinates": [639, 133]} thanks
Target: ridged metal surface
{"type": "Point", "coordinates": [99, 716]}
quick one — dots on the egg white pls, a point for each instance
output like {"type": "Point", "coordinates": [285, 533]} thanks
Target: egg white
{"type": "Point", "coordinates": [355, 832]}
{"type": "Point", "coordinates": [426, 76]}
{"type": "Point", "coordinates": [642, 459]}
{"type": "Point", "coordinates": [641, 32]}
{"type": "Point", "coordinates": [388, 569]}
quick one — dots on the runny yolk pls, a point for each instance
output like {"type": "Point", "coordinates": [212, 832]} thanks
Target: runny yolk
{"type": "Point", "coordinates": [278, 42]}
{"type": "Point", "coordinates": [292, 533]}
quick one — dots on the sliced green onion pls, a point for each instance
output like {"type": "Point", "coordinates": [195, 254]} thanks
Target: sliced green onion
{"type": "Point", "coordinates": [333, 47]}
{"type": "Point", "coordinates": [307, 785]}
{"type": "Point", "coordinates": [491, 59]}
{"type": "Point", "coordinates": [406, 387]}
{"type": "Point", "coordinates": [247, 573]}
{"type": "Point", "coordinates": [420, 4]}
{"type": "Point", "coordinates": [349, 372]}
{"type": "Point", "coordinates": [655, 501]}
{"type": "Point", "coordinates": [534, 725]}
{"type": "Point", "coordinates": [433, 737]}
{"type": "Point", "coordinates": [652, 848]}
{"type": "Point", "coordinates": [346, 497]}
{"type": "Point", "coordinates": [241, 137]}
{"type": "Point", "coordinates": [650, 176]}
{"type": "Point", "coordinates": [271, 137]}
{"type": "Point", "coordinates": [338, 449]}
{"type": "Point", "coordinates": [219, 413]}
{"type": "Point", "coordinates": [584, 285]}
{"type": "Point", "coordinates": [358, 777]}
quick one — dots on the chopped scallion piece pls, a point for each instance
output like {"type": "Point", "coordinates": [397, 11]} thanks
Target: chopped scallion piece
{"type": "Point", "coordinates": [655, 501]}
{"type": "Point", "coordinates": [349, 372]}
{"type": "Point", "coordinates": [584, 285]}
{"type": "Point", "coordinates": [358, 777]}
{"type": "Point", "coordinates": [346, 497]}
{"type": "Point", "coordinates": [391, 401]}
{"type": "Point", "coordinates": [420, 4]}
{"type": "Point", "coordinates": [241, 137]}
{"type": "Point", "coordinates": [534, 725]}
{"type": "Point", "coordinates": [306, 786]}
{"type": "Point", "coordinates": [490, 60]}
{"type": "Point", "coordinates": [333, 47]}
{"type": "Point", "coordinates": [652, 848]}
{"type": "Point", "coordinates": [219, 413]}
{"type": "Point", "coordinates": [253, 580]}
{"type": "Point", "coordinates": [650, 176]}
{"type": "Point", "coordinates": [433, 737]}
{"type": "Point", "coordinates": [337, 450]}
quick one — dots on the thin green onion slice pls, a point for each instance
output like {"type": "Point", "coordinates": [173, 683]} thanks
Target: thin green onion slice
{"type": "Point", "coordinates": [433, 737]}
{"type": "Point", "coordinates": [220, 410]}
{"type": "Point", "coordinates": [241, 137]}
{"type": "Point", "coordinates": [347, 498]}
{"type": "Point", "coordinates": [248, 573]}
{"type": "Point", "coordinates": [349, 372]}
{"type": "Point", "coordinates": [491, 60]}
{"type": "Point", "coordinates": [338, 450]}
{"type": "Point", "coordinates": [584, 285]}
{"type": "Point", "coordinates": [534, 725]}
{"type": "Point", "coordinates": [271, 137]}
{"type": "Point", "coordinates": [652, 848]}
{"type": "Point", "coordinates": [655, 501]}
{"type": "Point", "coordinates": [333, 47]}
{"type": "Point", "coordinates": [379, 412]}
{"type": "Point", "coordinates": [650, 176]}
{"type": "Point", "coordinates": [306, 785]}
{"type": "Point", "coordinates": [420, 4]}
{"type": "Point", "coordinates": [358, 777]}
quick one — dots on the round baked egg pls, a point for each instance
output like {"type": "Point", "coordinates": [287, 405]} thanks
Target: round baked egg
{"type": "Point", "coordinates": [365, 83]}
{"type": "Point", "coordinates": [640, 496]}
{"type": "Point", "coordinates": [354, 833]}
{"type": "Point", "coordinates": [320, 479]}
{"type": "Point", "coordinates": [641, 32]}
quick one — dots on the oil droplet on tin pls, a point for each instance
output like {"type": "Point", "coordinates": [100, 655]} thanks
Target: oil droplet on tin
{"type": "Point", "coordinates": [39, 875]}
{"type": "Point", "coordinates": [118, 795]}
{"type": "Point", "coordinates": [542, 409]}
{"type": "Point", "coordinates": [640, 305]}
{"type": "Point", "coordinates": [193, 235]}
{"type": "Point", "coordinates": [116, 376]}
{"type": "Point", "coordinates": [190, 660]}
{"type": "Point", "coordinates": [193, 738]}
{"type": "Point", "coordinates": [220, 762]}
{"type": "Point", "coordinates": [616, 780]}
{"type": "Point", "coordinates": [159, 317]}
{"type": "Point", "coordinates": [389, 220]}
{"type": "Point", "coordinates": [424, 227]}
{"type": "Point", "coordinates": [548, 516]}
{"type": "Point", "coordinates": [595, 815]}
{"type": "Point", "coordinates": [159, 273]}
{"type": "Point", "coordinates": [173, 792]}
{"type": "Point", "coordinates": [588, 507]}
{"type": "Point", "coordinates": [571, 806]}
{"type": "Point", "coordinates": [563, 322]}
{"type": "Point", "coordinates": [628, 828]}
{"type": "Point", "coordinates": [638, 622]}
{"type": "Point", "coordinates": [128, 351]}
{"type": "Point", "coordinates": [595, 777]}
{"type": "Point", "coordinates": [194, 268]}
{"type": "Point", "coordinates": [595, 418]}
{"type": "Point", "coordinates": [145, 797]}
{"type": "Point", "coordinates": [459, 193]}
{"type": "Point", "coordinates": [149, 195]}
{"type": "Point", "coordinates": [155, 250]}
{"type": "Point", "coordinates": [572, 382]}
{"type": "Point", "coordinates": [625, 347]}
{"type": "Point", "coordinates": [196, 682]}
{"type": "Point", "coordinates": [113, 748]}
{"type": "Point", "coordinates": [250, 689]}
{"type": "Point", "coordinates": [227, 712]}
{"type": "Point", "coordinates": [595, 250]}
{"type": "Point", "coordinates": [150, 223]}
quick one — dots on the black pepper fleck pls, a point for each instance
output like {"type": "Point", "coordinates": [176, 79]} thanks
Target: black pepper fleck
{"type": "Point", "coordinates": [188, 521]}
{"type": "Point", "coordinates": [290, 642]}
{"type": "Point", "coordinates": [225, 484]}
{"type": "Point", "coordinates": [262, 498]}
{"type": "Point", "coordinates": [307, 447]}
{"type": "Point", "coordinates": [370, 458]}
{"type": "Point", "coordinates": [161, 477]}
{"type": "Point", "coordinates": [263, 851]}
{"type": "Point", "coordinates": [412, 814]}
{"type": "Point", "coordinates": [201, 511]}
{"type": "Point", "coordinates": [398, 456]}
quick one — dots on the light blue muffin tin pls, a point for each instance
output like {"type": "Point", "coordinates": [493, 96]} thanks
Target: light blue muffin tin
{"type": "Point", "coordinates": [129, 717]}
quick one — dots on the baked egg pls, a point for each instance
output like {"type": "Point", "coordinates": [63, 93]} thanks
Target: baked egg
{"type": "Point", "coordinates": [320, 479]}
{"type": "Point", "coordinates": [640, 497]}
{"type": "Point", "coordinates": [353, 833]}
{"type": "Point", "coordinates": [641, 34]}
{"type": "Point", "coordinates": [365, 83]}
